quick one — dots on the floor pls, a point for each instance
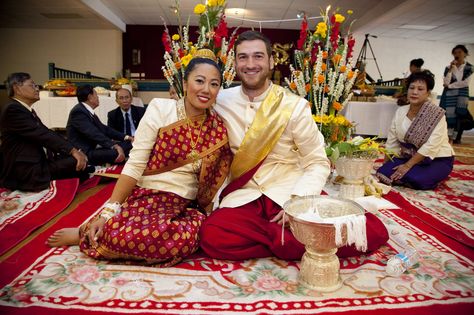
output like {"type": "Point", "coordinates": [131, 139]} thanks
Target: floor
{"type": "Point", "coordinates": [465, 151]}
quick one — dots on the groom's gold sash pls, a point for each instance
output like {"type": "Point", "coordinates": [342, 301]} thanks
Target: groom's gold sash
{"type": "Point", "coordinates": [268, 125]}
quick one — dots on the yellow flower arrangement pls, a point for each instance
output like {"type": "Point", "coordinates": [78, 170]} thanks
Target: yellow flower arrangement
{"type": "Point", "coordinates": [213, 35]}
{"type": "Point", "coordinates": [117, 84]}
{"type": "Point", "coordinates": [335, 128]}
{"type": "Point", "coordinates": [356, 147]}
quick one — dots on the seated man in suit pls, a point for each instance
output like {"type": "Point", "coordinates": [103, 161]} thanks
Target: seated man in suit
{"type": "Point", "coordinates": [126, 117]}
{"type": "Point", "coordinates": [23, 140]}
{"type": "Point", "coordinates": [101, 143]}
{"type": "Point", "coordinates": [173, 93]}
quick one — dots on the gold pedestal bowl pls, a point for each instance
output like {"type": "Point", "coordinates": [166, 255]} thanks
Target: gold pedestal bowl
{"type": "Point", "coordinates": [319, 269]}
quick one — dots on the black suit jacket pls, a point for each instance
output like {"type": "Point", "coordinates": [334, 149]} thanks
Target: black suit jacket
{"type": "Point", "coordinates": [115, 117]}
{"type": "Point", "coordinates": [86, 131]}
{"type": "Point", "coordinates": [24, 137]}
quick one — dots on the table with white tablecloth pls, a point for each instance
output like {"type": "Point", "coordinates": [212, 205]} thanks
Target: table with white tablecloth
{"type": "Point", "coordinates": [371, 118]}
{"type": "Point", "coordinates": [54, 111]}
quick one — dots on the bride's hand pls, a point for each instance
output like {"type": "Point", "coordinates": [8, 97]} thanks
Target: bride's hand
{"type": "Point", "coordinates": [95, 231]}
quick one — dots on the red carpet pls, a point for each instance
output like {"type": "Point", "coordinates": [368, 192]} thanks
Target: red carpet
{"type": "Point", "coordinates": [48, 281]}
{"type": "Point", "coordinates": [21, 212]}
{"type": "Point", "coordinates": [102, 173]}
{"type": "Point", "coordinates": [449, 208]}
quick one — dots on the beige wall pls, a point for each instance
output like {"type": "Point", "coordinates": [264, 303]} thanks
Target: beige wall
{"type": "Point", "coordinates": [100, 51]}
{"type": "Point", "coordinates": [147, 96]}
{"type": "Point", "coordinates": [30, 50]}
{"type": "Point", "coordinates": [394, 56]}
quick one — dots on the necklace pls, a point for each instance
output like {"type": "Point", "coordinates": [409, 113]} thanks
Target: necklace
{"type": "Point", "coordinates": [194, 154]}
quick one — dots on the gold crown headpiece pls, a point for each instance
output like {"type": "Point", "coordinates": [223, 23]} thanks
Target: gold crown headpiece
{"type": "Point", "coordinates": [205, 53]}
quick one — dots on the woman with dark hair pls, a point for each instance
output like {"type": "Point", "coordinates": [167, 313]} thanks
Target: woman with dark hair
{"type": "Point", "coordinates": [180, 158]}
{"type": "Point", "coordinates": [416, 64]}
{"type": "Point", "coordinates": [419, 136]}
{"type": "Point", "coordinates": [455, 97]}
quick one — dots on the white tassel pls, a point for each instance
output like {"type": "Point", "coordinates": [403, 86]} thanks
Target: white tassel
{"type": "Point", "coordinates": [356, 230]}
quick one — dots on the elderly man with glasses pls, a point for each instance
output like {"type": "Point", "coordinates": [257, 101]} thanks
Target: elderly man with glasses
{"type": "Point", "coordinates": [31, 155]}
{"type": "Point", "coordinates": [126, 117]}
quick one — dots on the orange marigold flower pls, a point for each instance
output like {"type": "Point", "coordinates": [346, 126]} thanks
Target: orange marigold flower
{"type": "Point", "coordinates": [325, 54]}
{"type": "Point", "coordinates": [320, 78]}
{"type": "Point", "coordinates": [326, 89]}
{"type": "Point", "coordinates": [323, 67]}
{"type": "Point", "coordinates": [307, 87]}
{"type": "Point", "coordinates": [177, 65]}
{"type": "Point", "coordinates": [350, 74]}
{"type": "Point", "coordinates": [223, 59]}
{"type": "Point", "coordinates": [336, 59]}
{"type": "Point", "coordinates": [293, 86]}
{"type": "Point", "coordinates": [343, 69]}
{"type": "Point", "coordinates": [337, 106]}
{"type": "Point", "coordinates": [334, 133]}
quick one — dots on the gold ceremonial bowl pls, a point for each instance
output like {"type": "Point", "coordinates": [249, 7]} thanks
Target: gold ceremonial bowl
{"type": "Point", "coordinates": [319, 268]}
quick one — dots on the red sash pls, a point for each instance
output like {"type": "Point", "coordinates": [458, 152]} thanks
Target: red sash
{"type": "Point", "coordinates": [241, 181]}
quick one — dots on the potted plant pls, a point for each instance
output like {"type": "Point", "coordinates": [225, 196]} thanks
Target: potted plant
{"type": "Point", "coordinates": [354, 160]}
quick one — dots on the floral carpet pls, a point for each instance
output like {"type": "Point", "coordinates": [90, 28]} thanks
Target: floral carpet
{"type": "Point", "coordinates": [22, 212]}
{"type": "Point", "coordinates": [449, 208]}
{"type": "Point", "coordinates": [64, 280]}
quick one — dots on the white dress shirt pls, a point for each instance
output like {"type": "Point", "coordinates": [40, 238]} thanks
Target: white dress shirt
{"type": "Point", "coordinates": [181, 181]}
{"type": "Point", "coordinates": [89, 108]}
{"type": "Point", "coordinates": [437, 144]}
{"type": "Point", "coordinates": [132, 126]}
{"type": "Point", "coordinates": [297, 165]}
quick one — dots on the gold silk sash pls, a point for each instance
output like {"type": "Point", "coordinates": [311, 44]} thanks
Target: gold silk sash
{"type": "Point", "coordinates": [267, 127]}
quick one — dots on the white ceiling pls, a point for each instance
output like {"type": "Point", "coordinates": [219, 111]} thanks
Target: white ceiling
{"type": "Point", "coordinates": [452, 20]}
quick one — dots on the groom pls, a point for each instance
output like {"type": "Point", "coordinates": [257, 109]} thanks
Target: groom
{"type": "Point", "coordinates": [279, 154]}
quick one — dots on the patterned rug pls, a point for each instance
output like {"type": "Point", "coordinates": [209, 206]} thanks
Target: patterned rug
{"type": "Point", "coordinates": [55, 280]}
{"type": "Point", "coordinates": [23, 212]}
{"type": "Point", "coordinates": [464, 153]}
{"type": "Point", "coordinates": [449, 208]}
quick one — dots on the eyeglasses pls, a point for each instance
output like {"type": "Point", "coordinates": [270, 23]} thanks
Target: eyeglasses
{"type": "Point", "coordinates": [33, 85]}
